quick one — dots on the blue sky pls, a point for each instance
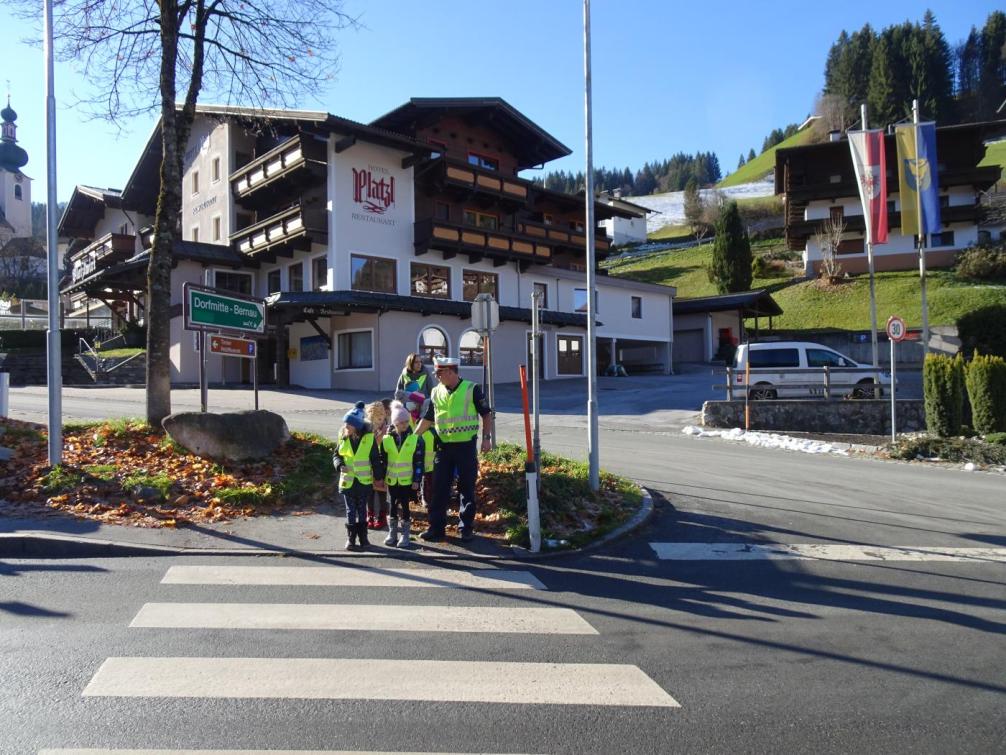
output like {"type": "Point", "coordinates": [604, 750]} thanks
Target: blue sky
{"type": "Point", "coordinates": [669, 75]}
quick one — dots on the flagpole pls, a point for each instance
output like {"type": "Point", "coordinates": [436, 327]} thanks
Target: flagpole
{"type": "Point", "coordinates": [922, 231]}
{"type": "Point", "coordinates": [592, 435]}
{"type": "Point", "coordinates": [54, 357]}
{"type": "Point", "coordinates": [873, 284]}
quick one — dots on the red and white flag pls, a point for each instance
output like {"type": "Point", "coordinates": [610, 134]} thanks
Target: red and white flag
{"type": "Point", "coordinates": [870, 164]}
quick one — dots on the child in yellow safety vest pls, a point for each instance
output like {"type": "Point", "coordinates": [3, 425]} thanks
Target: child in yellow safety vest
{"type": "Point", "coordinates": [362, 468]}
{"type": "Point", "coordinates": [416, 404]}
{"type": "Point", "coordinates": [377, 509]}
{"type": "Point", "coordinates": [405, 454]}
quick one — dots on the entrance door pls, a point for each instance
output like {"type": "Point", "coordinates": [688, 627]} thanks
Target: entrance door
{"type": "Point", "coordinates": [570, 350]}
{"type": "Point", "coordinates": [541, 356]}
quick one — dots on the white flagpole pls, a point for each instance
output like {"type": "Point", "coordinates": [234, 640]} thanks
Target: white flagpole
{"type": "Point", "coordinates": [592, 435]}
{"type": "Point", "coordinates": [55, 372]}
{"type": "Point", "coordinates": [922, 230]}
{"type": "Point", "coordinates": [869, 260]}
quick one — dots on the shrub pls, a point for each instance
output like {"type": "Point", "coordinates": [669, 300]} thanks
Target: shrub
{"type": "Point", "coordinates": [943, 388]}
{"type": "Point", "coordinates": [730, 269]}
{"type": "Point", "coordinates": [996, 439]}
{"type": "Point", "coordinates": [984, 330]}
{"type": "Point", "coordinates": [986, 382]}
{"type": "Point", "coordinates": [949, 449]}
{"type": "Point", "coordinates": [982, 262]}
{"type": "Point", "coordinates": [759, 267]}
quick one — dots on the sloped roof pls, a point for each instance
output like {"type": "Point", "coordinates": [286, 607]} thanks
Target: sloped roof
{"type": "Point", "coordinates": [755, 303]}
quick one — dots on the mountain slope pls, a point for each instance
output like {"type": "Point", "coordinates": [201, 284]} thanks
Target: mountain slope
{"type": "Point", "coordinates": [762, 166]}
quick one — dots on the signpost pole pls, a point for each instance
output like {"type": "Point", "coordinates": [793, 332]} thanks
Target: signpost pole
{"type": "Point", "coordinates": [255, 376]}
{"type": "Point", "coordinates": [54, 355]}
{"type": "Point", "coordinates": [535, 376]}
{"type": "Point", "coordinates": [922, 231]}
{"type": "Point", "coordinates": [894, 390]}
{"type": "Point", "coordinates": [203, 388]}
{"type": "Point", "coordinates": [593, 452]}
{"type": "Point", "coordinates": [487, 357]}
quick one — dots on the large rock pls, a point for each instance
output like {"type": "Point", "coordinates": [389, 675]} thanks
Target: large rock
{"type": "Point", "coordinates": [234, 436]}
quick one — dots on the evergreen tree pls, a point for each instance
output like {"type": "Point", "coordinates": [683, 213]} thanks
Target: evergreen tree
{"type": "Point", "coordinates": [740, 163]}
{"type": "Point", "coordinates": [730, 269]}
{"type": "Point", "coordinates": [751, 154]}
{"type": "Point", "coordinates": [992, 75]}
{"type": "Point", "coordinates": [694, 207]}
{"type": "Point", "coordinates": [880, 98]}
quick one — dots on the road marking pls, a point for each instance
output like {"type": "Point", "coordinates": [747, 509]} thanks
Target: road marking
{"type": "Point", "coordinates": [377, 618]}
{"type": "Point", "coordinates": [820, 552]}
{"type": "Point", "coordinates": [79, 751]}
{"type": "Point", "coordinates": [343, 576]}
{"type": "Point", "coordinates": [379, 679]}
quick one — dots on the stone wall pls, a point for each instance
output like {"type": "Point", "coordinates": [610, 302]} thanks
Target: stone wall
{"type": "Point", "coordinates": [861, 417]}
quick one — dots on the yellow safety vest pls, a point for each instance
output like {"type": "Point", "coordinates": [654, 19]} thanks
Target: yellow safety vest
{"type": "Point", "coordinates": [456, 419]}
{"type": "Point", "coordinates": [356, 466]}
{"type": "Point", "coordinates": [400, 459]}
{"type": "Point", "coordinates": [420, 381]}
{"type": "Point", "coordinates": [428, 451]}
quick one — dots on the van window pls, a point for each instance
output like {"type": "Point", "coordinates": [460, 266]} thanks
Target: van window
{"type": "Point", "coordinates": [775, 357]}
{"type": "Point", "coordinates": [824, 358]}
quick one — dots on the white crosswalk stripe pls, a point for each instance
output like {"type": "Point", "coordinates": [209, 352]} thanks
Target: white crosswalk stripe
{"type": "Point", "coordinates": [821, 552]}
{"type": "Point", "coordinates": [378, 618]}
{"type": "Point", "coordinates": [78, 751]}
{"type": "Point", "coordinates": [379, 679]}
{"type": "Point", "coordinates": [343, 576]}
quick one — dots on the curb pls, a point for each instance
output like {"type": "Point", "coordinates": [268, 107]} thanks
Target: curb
{"type": "Point", "coordinates": [53, 546]}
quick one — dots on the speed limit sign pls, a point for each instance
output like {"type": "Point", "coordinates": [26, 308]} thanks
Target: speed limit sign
{"type": "Point", "coordinates": [896, 329]}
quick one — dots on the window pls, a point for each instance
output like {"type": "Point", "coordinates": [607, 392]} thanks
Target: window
{"type": "Point", "coordinates": [483, 161]}
{"type": "Point", "coordinates": [216, 228]}
{"type": "Point", "coordinates": [243, 220]}
{"type": "Point", "coordinates": [481, 220]}
{"type": "Point", "coordinates": [824, 358]}
{"type": "Point", "coordinates": [195, 233]}
{"type": "Point", "coordinates": [319, 273]}
{"type": "Point", "coordinates": [546, 219]}
{"type": "Point", "coordinates": [542, 290]}
{"type": "Point", "coordinates": [476, 283]}
{"type": "Point", "coordinates": [356, 351]}
{"type": "Point", "coordinates": [946, 238]}
{"type": "Point", "coordinates": [239, 283]}
{"type": "Point", "coordinates": [373, 274]}
{"type": "Point", "coordinates": [431, 280]}
{"type": "Point", "coordinates": [637, 307]}
{"type": "Point", "coordinates": [470, 349]}
{"type": "Point", "coordinates": [442, 211]}
{"type": "Point", "coordinates": [570, 353]}
{"type": "Point", "coordinates": [195, 182]}
{"type": "Point", "coordinates": [836, 214]}
{"type": "Point", "coordinates": [17, 192]}
{"type": "Point", "coordinates": [576, 225]}
{"type": "Point", "coordinates": [124, 229]}
{"type": "Point", "coordinates": [851, 246]}
{"type": "Point", "coordinates": [295, 277]}
{"type": "Point", "coordinates": [441, 147]}
{"type": "Point", "coordinates": [580, 300]}
{"type": "Point", "coordinates": [432, 343]}
{"type": "Point", "coordinates": [215, 170]}
{"type": "Point", "coordinates": [775, 358]}
{"type": "Point", "coordinates": [273, 283]}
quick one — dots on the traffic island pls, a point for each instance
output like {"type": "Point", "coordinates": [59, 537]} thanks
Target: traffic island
{"type": "Point", "coordinates": [124, 484]}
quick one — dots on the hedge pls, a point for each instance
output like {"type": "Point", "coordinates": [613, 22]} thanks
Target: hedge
{"type": "Point", "coordinates": [22, 340]}
{"type": "Point", "coordinates": [984, 330]}
{"type": "Point", "coordinates": [943, 390]}
{"type": "Point", "coordinates": [986, 382]}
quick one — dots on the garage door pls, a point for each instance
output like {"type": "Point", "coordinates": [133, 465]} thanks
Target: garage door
{"type": "Point", "coordinates": [689, 345]}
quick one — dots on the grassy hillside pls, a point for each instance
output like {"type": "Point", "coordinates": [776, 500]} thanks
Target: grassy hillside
{"type": "Point", "coordinates": [847, 306]}
{"type": "Point", "coordinates": [762, 165]}
{"type": "Point", "coordinates": [670, 232]}
{"type": "Point", "coordinates": [995, 154]}
{"type": "Point", "coordinates": [686, 269]}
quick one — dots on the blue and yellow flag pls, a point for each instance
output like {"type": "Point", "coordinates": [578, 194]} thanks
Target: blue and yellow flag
{"type": "Point", "coordinates": [917, 177]}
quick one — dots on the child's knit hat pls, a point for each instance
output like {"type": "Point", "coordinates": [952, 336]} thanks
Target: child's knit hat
{"type": "Point", "coordinates": [414, 403]}
{"type": "Point", "coordinates": [399, 413]}
{"type": "Point", "coordinates": [354, 417]}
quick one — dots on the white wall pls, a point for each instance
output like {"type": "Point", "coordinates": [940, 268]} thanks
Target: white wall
{"type": "Point", "coordinates": [208, 141]}
{"type": "Point", "coordinates": [16, 211]}
{"type": "Point", "coordinates": [625, 230]}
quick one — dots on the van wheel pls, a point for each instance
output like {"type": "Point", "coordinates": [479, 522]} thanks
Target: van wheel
{"type": "Point", "coordinates": [864, 389]}
{"type": "Point", "coordinates": [762, 392]}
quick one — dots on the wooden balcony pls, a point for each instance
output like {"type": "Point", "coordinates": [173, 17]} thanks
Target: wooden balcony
{"type": "Point", "coordinates": [798, 231]}
{"type": "Point", "coordinates": [110, 249]}
{"type": "Point", "coordinates": [469, 180]}
{"type": "Point", "coordinates": [564, 239]}
{"type": "Point", "coordinates": [479, 243]}
{"type": "Point", "coordinates": [288, 168]}
{"type": "Point", "coordinates": [282, 233]}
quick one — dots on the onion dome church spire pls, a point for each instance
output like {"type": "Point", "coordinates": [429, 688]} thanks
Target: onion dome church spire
{"type": "Point", "coordinates": [12, 157]}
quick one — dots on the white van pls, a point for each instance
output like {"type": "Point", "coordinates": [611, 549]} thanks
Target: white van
{"type": "Point", "coordinates": [793, 369]}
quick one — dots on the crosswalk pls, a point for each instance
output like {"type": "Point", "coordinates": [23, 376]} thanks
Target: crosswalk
{"type": "Point", "coordinates": [821, 552]}
{"type": "Point", "coordinates": [422, 680]}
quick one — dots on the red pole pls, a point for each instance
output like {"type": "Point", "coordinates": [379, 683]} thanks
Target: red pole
{"type": "Point", "coordinates": [527, 414]}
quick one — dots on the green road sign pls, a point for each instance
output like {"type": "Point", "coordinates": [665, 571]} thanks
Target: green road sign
{"type": "Point", "coordinates": [212, 309]}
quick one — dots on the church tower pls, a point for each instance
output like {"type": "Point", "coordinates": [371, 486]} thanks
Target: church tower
{"type": "Point", "coordinates": [15, 186]}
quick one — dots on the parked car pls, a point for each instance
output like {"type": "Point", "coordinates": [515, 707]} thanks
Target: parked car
{"type": "Point", "coordinates": [794, 369]}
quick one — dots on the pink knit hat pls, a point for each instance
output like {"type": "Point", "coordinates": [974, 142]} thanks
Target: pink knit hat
{"type": "Point", "coordinates": [399, 413]}
{"type": "Point", "coordinates": [414, 403]}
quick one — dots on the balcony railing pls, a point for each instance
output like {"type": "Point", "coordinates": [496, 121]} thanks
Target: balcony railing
{"type": "Point", "coordinates": [292, 166]}
{"type": "Point", "coordinates": [499, 245]}
{"type": "Point", "coordinates": [563, 237]}
{"type": "Point", "coordinates": [463, 175]}
{"type": "Point", "coordinates": [108, 250]}
{"type": "Point", "coordinates": [294, 228]}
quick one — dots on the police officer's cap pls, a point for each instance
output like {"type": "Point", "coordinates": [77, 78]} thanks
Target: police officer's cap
{"type": "Point", "coordinates": [439, 362]}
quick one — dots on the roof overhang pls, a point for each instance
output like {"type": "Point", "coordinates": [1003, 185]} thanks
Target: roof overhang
{"type": "Point", "coordinates": [756, 303]}
{"type": "Point", "coordinates": [85, 208]}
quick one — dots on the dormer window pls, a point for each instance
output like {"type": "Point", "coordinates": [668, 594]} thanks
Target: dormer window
{"type": "Point", "coordinates": [483, 161]}
{"type": "Point", "coordinates": [17, 192]}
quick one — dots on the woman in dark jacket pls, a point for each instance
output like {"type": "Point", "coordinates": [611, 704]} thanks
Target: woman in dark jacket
{"type": "Point", "coordinates": [415, 378]}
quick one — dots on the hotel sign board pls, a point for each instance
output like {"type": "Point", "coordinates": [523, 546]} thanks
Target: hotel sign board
{"type": "Point", "coordinates": [216, 310]}
{"type": "Point", "coordinates": [233, 347]}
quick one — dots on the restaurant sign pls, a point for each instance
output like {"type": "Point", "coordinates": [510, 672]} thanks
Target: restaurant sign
{"type": "Point", "coordinates": [373, 194]}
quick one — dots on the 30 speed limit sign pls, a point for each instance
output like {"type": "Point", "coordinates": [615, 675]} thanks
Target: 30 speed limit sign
{"type": "Point", "coordinates": [896, 329]}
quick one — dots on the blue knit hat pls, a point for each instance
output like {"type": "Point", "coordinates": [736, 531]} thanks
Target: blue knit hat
{"type": "Point", "coordinates": [355, 418]}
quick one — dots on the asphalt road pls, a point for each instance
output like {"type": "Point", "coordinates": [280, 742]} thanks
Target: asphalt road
{"type": "Point", "coordinates": [761, 655]}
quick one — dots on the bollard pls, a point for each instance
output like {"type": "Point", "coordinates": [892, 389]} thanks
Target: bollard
{"type": "Point", "coordinates": [4, 393]}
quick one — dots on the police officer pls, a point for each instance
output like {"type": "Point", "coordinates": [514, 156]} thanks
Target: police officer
{"type": "Point", "coordinates": [454, 410]}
